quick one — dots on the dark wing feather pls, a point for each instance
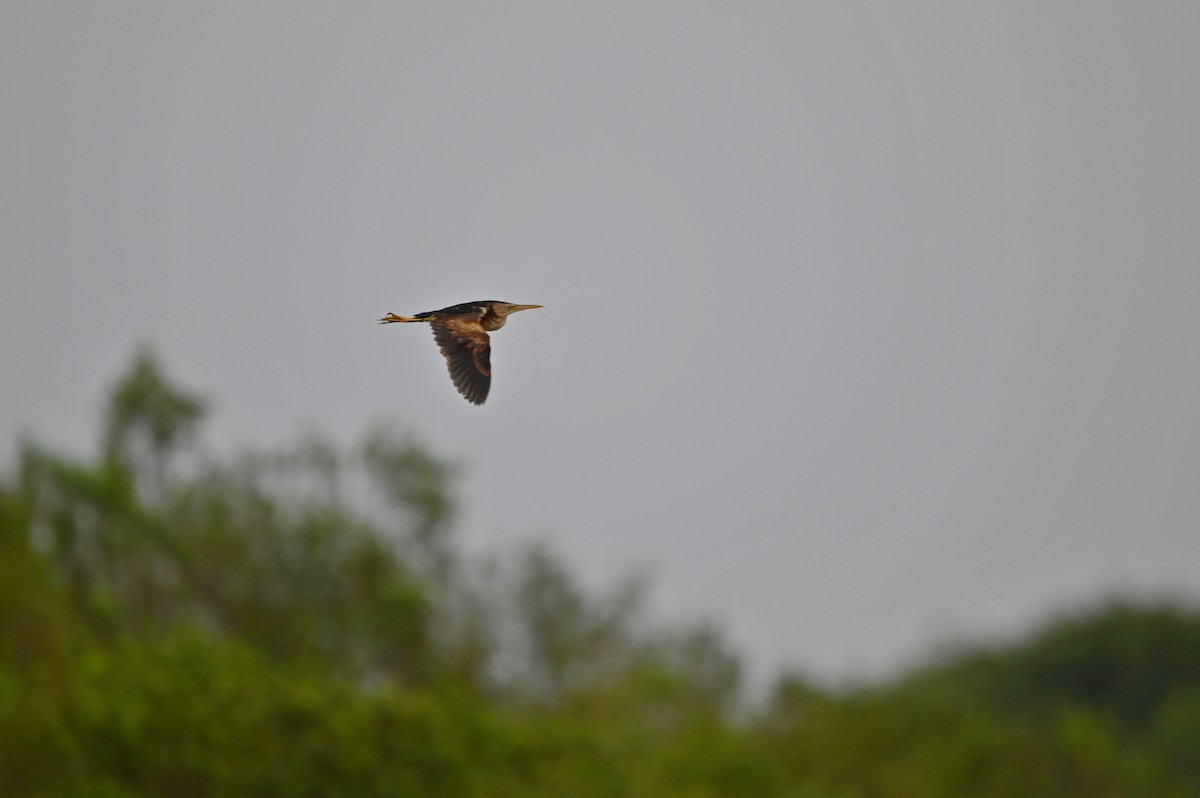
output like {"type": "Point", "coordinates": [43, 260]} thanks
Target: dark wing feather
{"type": "Point", "coordinates": [468, 353]}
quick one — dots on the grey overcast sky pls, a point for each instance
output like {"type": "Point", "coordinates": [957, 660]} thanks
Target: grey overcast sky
{"type": "Point", "coordinates": [866, 324]}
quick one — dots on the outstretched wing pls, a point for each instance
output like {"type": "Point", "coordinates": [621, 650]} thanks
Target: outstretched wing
{"type": "Point", "coordinates": [468, 353]}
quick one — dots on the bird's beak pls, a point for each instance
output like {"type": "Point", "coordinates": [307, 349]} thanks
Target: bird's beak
{"type": "Point", "coordinates": [515, 308]}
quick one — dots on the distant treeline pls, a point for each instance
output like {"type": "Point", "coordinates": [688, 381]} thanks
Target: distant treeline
{"type": "Point", "coordinates": [302, 623]}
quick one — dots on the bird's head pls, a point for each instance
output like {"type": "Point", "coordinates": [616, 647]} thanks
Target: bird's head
{"type": "Point", "coordinates": [508, 307]}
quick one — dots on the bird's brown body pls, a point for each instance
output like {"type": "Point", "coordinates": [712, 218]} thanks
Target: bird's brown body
{"type": "Point", "coordinates": [461, 332]}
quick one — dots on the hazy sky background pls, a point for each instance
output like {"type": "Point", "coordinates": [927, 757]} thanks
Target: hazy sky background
{"type": "Point", "coordinates": [867, 324]}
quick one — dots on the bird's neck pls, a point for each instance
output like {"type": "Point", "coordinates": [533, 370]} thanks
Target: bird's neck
{"type": "Point", "coordinates": [492, 320]}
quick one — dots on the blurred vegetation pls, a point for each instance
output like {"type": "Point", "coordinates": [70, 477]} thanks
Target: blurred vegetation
{"type": "Point", "coordinates": [302, 623]}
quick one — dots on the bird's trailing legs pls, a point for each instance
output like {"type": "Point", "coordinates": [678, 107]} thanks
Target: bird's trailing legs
{"type": "Point", "coordinates": [392, 318]}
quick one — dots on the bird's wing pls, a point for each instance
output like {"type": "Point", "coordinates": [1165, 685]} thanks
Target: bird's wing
{"type": "Point", "coordinates": [468, 353]}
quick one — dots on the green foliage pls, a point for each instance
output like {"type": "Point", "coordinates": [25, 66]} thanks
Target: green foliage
{"type": "Point", "coordinates": [568, 640]}
{"type": "Point", "coordinates": [1123, 661]}
{"type": "Point", "coordinates": [302, 623]}
{"type": "Point", "coordinates": [147, 417]}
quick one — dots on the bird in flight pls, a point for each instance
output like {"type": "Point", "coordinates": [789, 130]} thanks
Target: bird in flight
{"type": "Point", "coordinates": [461, 332]}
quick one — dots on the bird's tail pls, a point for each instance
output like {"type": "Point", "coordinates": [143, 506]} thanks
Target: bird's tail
{"type": "Point", "coordinates": [392, 318]}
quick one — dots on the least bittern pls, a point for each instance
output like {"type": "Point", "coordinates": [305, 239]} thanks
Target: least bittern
{"type": "Point", "coordinates": [461, 332]}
